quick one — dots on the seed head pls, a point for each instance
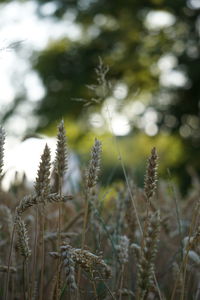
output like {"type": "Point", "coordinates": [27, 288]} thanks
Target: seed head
{"type": "Point", "coordinates": [42, 183]}
{"type": "Point", "coordinates": [151, 174]}
{"type": "Point", "coordinates": [94, 165]}
{"type": "Point", "coordinates": [61, 160]}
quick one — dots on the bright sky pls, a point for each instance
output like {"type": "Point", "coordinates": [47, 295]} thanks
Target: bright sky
{"type": "Point", "coordinates": [19, 22]}
{"type": "Point", "coordinates": [25, 158]}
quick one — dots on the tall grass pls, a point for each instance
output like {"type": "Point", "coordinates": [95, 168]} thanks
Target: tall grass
{"type": "Point", "coordinates": [80, 246]}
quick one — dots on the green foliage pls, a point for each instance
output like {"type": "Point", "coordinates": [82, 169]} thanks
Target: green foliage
{"type": "Point", "coordinates": [124, 43]}
{"type": "Point", "coordinates": [120, 33]}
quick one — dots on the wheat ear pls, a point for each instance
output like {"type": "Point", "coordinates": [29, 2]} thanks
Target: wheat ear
{"type": "Point", "coordinates": [42, 183]}
{"type": "Point", "coordinates": [60, 167]}
{"type": "Point", "coordinates": [69, 266]}
{"type": "Point", "coordinates": [23, 245]}
{"type": "Point", "coordinates": [61, 159]}
{"type": "Point", "coordinates": [91, 178]}
{"type": "Point", "coordinates": [94, 165]}
{"type": "Point", "coordinates": [150, 182]}
{"type": "Point", "coordinates": [42, 191]}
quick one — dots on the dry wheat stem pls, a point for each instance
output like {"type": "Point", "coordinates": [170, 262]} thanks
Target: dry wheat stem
{"type": "Point", "coordinates": [35, 251]}
{"type": "Point", "coordinates": [4, 269]}
{"type": "Point", "coordinates": [9, 261]}
{"type": "Point", "coordinates": [74, 220]}
{"type": "Point", "coordinates": [60, 165]}
{"type": "Point", "coordinates": [191, 242]}
{"type": "Point", "coordinates": [2, 142]}
{"type": "Point", "coordinates": [106, 285]}
{"type": "Point", "coordinates": [33, 200]}
{"type": "Point", "coordinates": [7, 217]}
{"type": "Point", "coordinates": [42, 255]}
{"type": "Point", "coordinates": [42, 191]}
{"type": "Point", "coordinates": [94, 265]}
{"type": "Point", "coordinates": [92, 174]}
{"type": "Point", "coordinates": [94, 285]}
{"type": "Point", "coordinates": [184, 261]}
{"type": "Point", "coordinates": [121, 282]}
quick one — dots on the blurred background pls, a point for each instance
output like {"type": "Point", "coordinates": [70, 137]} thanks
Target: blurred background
{"type": "Point", "coordinates": [53, 58]}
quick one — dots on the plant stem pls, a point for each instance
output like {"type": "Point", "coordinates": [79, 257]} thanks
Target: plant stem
{"type": "Point", "coordinates": [23, 284]}
{"type": "Point", "coordinates": [9, 261]}
{"type": "Point", "coordinates": [35, 251]}
{"type": "Point", "coordinates": [42, 255]}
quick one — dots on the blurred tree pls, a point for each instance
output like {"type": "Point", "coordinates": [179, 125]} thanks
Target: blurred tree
{"type": "Point", "coordinates": [133, 37]}
{"type": "Point", "coordinates": [121, 33]}
{"type": "Point", "coordinates": [116, 31]}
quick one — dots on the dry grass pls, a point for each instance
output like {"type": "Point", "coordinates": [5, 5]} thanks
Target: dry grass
{"type": "Point", "coordinates": [131, 245]}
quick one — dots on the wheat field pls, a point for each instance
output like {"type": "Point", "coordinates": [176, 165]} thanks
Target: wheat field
{"type": "Point", "coordinates": [127, 243]}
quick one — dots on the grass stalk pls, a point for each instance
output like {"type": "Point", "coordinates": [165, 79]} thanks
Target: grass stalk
{"type": "Point", "coordinates": [86, 210]}
{"type": "Point", "coordinates": [121, 282]}
{"type": "Point", "coordinates": [59, 238]}
{"type": "Point", "coordinates": [172, 188]}
{"type": "Point", "coordinates": [42, 255]}
{"type": "Point", "coordinates": [23, 282]}
{"type": "Point", "coordinates": [184, 262]}
{"type": "Point", "coordinates": [35, 250]}
{"type": "Point", "coordinates": [9, 262]}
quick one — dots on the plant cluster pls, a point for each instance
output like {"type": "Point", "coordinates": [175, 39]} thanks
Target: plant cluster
{"type": "Point", "coordinates": [129, 243]}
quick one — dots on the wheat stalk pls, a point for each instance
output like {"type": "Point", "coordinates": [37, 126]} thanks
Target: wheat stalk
{"type": "Point", "coordinates": [147, 253]}
{"type": "Point", "coordinates": [2, 142]}
{"type": "Point", "coordinates": [7, 217]}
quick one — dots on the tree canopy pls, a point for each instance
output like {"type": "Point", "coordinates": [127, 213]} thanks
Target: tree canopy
{"type": "Point", "coordinates": [128, 39]}
{"type": "Point", "coordinates": [122, 34]}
